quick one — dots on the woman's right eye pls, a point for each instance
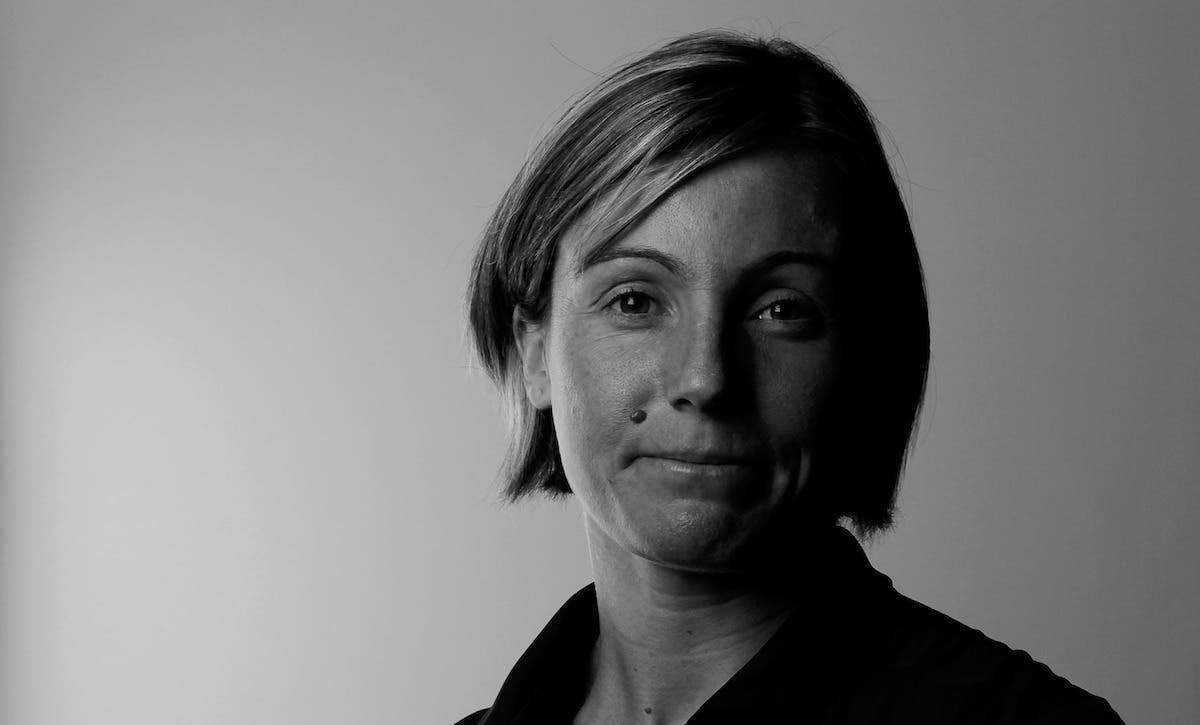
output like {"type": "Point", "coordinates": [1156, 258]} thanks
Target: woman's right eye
{"type": "Point", "coordinates": [631, 302]}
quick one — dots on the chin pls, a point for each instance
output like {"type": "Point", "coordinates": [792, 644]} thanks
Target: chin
{"type": "Point", "coordinates": [695, 536]}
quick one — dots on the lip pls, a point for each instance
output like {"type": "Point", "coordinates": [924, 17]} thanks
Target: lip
{"type": "Point", "coordinates": [686, 475]}
{"type": "Point", "coordinates": [705, 456]}
{"type": "Point", "coordinates": [702, 458]}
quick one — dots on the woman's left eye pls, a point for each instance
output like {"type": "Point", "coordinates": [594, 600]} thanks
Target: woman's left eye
{"type": "Point", "coordinates": [785, 310]}
{"type": "Point", "coordinates": [793, 315]}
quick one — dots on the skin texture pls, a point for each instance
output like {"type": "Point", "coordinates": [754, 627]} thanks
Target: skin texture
{"type": "Point", "coordinates": [716, 315]}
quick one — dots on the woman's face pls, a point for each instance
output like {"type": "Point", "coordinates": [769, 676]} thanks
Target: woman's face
{"type": "Point", "coordinates": [716, 316]}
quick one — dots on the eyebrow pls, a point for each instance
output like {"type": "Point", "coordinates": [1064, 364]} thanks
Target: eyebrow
{"type": "Point", "coordinates": [675, 266]}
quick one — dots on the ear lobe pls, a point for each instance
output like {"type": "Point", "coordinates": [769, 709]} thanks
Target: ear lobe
{"type": "Point", "coordinates": [531, 346]}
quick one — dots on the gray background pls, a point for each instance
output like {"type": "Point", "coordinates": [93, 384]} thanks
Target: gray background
{"type": "Point", "coordinates": [246, 460]}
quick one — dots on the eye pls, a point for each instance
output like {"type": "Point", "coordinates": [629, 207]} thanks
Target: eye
{"type": "Point", "coordinates": [793, 315]}
{"type": "Point", "coordinates": [786, 310]}
{"type": "Point", "coordinates": [631, 302]}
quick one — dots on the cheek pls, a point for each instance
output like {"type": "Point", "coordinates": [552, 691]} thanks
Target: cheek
{"type": "Point", "coordinates": [795, 391]}
{"type": "Point", "coordinates": [595, 384]}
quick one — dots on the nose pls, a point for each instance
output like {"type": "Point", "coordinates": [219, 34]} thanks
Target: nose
{"type": "Point", "coordinates": [697, 370]}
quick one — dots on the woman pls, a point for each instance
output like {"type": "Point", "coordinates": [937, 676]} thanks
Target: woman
{"type": "Point", "coordinates": [703, 300]}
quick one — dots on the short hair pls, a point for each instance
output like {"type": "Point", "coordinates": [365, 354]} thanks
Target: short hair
{"type": "Point", "coordinates": [640, 133]}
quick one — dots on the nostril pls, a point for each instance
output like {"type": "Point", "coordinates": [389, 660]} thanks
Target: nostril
{"type": "Point", "coordinates": [680, 403]}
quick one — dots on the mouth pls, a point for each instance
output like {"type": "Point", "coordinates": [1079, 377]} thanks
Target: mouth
{"type": "Point", "coordinates": [686, 471]}
{"type": "Point", "coordinates": [702, 463]}
{"type": "Point", "coordinates": [702, 457]}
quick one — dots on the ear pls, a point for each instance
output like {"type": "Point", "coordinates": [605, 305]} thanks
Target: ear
{"type": "Point", "coordinates": [531, 346]}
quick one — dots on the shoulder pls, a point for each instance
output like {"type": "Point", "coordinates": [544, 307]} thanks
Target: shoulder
{"type": "Point", "coordinates": [473, 718]}
{"type": "Point", "coordinates": [942, 670]}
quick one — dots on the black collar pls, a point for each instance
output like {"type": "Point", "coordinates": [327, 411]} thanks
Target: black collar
{"type": "Point", "coordinates": [798, 671]}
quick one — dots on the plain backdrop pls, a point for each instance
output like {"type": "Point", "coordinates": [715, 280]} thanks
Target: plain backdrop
{"type": "Point", "coordinates": [247, 461]}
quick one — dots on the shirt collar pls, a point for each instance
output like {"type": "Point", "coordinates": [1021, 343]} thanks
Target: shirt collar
{"type": "Point", "coordinates": [809, 654]}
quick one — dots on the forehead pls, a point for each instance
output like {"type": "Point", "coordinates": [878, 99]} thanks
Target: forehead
{"type": "Point", "coordinates": [733, 213]}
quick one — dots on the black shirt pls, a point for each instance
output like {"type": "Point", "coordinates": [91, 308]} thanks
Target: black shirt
{"type": "Point", "coordinates": [860, 653]}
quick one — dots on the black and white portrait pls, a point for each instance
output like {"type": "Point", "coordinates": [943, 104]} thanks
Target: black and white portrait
{"type": "Point", "coordinates": [563, 362]}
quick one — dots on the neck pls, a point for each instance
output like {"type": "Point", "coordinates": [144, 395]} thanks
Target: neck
{"type": "Point", "coordinates": [670, 638]}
